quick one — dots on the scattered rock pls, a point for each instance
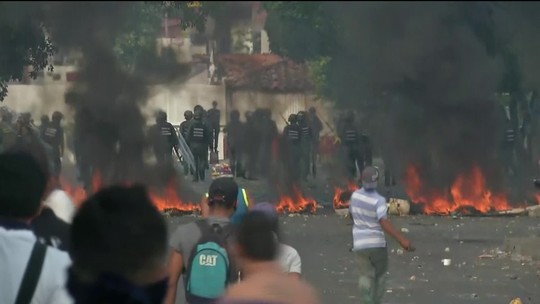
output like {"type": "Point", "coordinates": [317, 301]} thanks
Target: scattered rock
{"type": "Point", "coordinates": [412, 278]}
{"type": "Point", "coordinates": [446, 249]}
{"type": "Point", "coordinates": [404, 230]}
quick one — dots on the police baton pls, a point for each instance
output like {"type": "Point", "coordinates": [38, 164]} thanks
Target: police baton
{"type": "Point", "coordinates": [177, 154]}
{"type": "Point", "coordinates": [282, 117]}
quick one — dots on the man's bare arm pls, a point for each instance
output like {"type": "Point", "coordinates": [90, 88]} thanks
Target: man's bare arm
{"type": "Point", "coordinates": [389, 228]}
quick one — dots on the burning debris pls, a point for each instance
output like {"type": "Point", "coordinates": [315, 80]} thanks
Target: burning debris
{"type": "Point", "coordinates": [296, 202]}
{"type": "Point", "coordinates": [467, 194]}
{"type": "Point", "coordinates": [167, 200]}
{"type": "Point", "coordinates": [343, 195]}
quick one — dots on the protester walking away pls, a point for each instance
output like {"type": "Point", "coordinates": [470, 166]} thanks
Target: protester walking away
{"type": "Point", "coordinates": [184, 126]}
{"type": "Point", "coordinates": [109, 263]}
{"type": "Point", "coordinates": [252, 146]}
{"type": "Point", "coordinates": [287, 257]}
{"type": "Point", "coordinates": [199, 140]}
{"type": "Point", "coordinates": [263, 279]}
{"type": "Point", "coordinates": [292, 133]}
{"type": "Point", "coordinates": [369, 213]}
{"type": "Point", "coordinates": [201, 249]}
{"type": "Point", "coordinates": [214, 117]}
{"type": "Point", "coordinates": [54, 137]}
{"type": "Point", "coordinates": [306, 142]}
{"type": "Point", "coordinates": [164, 139]}
{"type": "Point", "coordinates": [31, 271]}
{"type": "Point", "coordinates": [235, 141]}
{"type": "Point", "coordinates": [244, 203]}
{"type": "Point", "coordinates": [268, 134]}
{"type": "Point", "coordinates": [351, 145]}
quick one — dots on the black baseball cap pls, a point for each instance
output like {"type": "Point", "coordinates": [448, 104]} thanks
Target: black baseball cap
{"type": "Point", "coordinates": [224, 190]}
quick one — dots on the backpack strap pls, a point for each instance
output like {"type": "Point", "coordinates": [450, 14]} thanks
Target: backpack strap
{"type": "Point", "coordinates": [31, 274]}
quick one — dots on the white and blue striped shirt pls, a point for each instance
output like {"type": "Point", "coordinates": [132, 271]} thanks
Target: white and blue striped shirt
{"type": "Point", "coordinates": [367, 209]}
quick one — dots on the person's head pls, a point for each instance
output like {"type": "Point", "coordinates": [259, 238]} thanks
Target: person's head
{"type": "Point", "coordinates": [45, 119]}
{"type": "Point", "coordinates": [188, 115]}
{"type": "Point", "coordinates": [256, 240]}
{"type": "Point", "coordinates": [24, 176]}
{"type": "Point", "coordinates": [214, 104]}
{"type": "Point", "coordinates": [198, 114]}
{"type": "Point", "coordinates": [57, 117]}
{"type": "Point", "coordinates": [270, 211]}
{"type": "Point", "coordinates": [223, 196]}
{"type": "Point", "coordinates": [301, 116]}
{"type": "Point", "coordinates": [370, 178]}
{"type": "Point", "coordinates": [349, 117]}
{"type": "Point", "coordinates": [248, 115]}
{"type": "Point", "coordinates": [235, 115]}
{"type": "Point", "coordinates": [161, 117]}
{"type": "Point", "coordinates": [198, 108]}
{"type": "Point", "coordinates": [293, 118]}
{"type": "Point", "coordinates": [118, 237]}
{"type": "Point", "coordinates": [312, 111]}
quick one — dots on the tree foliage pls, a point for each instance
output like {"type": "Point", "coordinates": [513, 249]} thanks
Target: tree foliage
{"type": "Point", "coordinates": [23, 42]}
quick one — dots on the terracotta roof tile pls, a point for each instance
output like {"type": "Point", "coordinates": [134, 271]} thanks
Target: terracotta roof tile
{"type": "Point", "coordinates": [266, 72]}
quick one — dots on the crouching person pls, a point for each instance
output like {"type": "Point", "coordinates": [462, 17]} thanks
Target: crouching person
{"type": "Point", "coordinates": [118, 247]}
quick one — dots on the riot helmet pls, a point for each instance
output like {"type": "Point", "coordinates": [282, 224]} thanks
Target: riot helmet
{"type": "Point", "coordinates": [235, 115]}
{"type": "Point", "coordinates": [293, 118]}
{"type": "Point", "coordinates": [312, 110]}
{"type": "Point", "coordinates": [161, 117]}
{"type": "Point", "coordinates": [57, 116]}
{"type": "Point", "coordinates": [45, 119]}
{"type": "Point", "coordinates": [198, 114]}
{"type": "Point", "coordinates": [301, 116]}
{"type": "Point", "coordinates": [188, 115]}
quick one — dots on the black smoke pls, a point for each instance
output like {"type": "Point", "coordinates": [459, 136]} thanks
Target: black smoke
{"type": "Point", "coordinates": [426, 81]}
{"type": "Point", "coordinates": [110, 129]}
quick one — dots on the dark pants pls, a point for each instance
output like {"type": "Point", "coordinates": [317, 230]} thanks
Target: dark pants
{"type": "Point", "coordinates": [235, 161]}
{"type": "Point", "coordinates": [354, 158]}
{"type": "Point", "coordinates": [57, 164]}
{"type": "Point", "coordinates": [372, 265]}
{"type": "Point", "coordinates": [200, 153]}
{"type": "Point", "coordinates": [215, 134]}
{"type": "Point", "coordinates": [164, 156]}
{"type": "Point", "coordinates": [295, 161]}
{"type": "Point", "coordinates": [306, 158]}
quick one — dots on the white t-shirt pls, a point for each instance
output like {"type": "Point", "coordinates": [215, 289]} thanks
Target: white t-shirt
{"type": "Point", "coordinates": [62, 205]}
{"type": "Point", "coordinates": [289, 259]}
{"type": "Point", "coordinates": [15, 249]}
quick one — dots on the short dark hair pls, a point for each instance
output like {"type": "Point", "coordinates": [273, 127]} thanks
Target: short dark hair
{"type": "Point", "coordinates": [37, 151]}
{"type": "Point", "coordinates": [257, 238]}
{"type": "Point", "coordinates": [22, 185]}
{"type": "Point", "coordinates": [118, 231]}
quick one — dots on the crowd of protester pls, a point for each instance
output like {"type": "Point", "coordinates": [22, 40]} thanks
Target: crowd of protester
{"type": "Point", "coordinates": [114, 248]}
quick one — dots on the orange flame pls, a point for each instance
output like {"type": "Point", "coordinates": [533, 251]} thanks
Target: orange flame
{"type": "Point", "coordinates": [167, 200]}
{"type": "Point", "coordinates": [338, 204]}
{"type": "Point", "coordinates": [468, 190]}
{"type": "Point", "coordinates": [296, 203]}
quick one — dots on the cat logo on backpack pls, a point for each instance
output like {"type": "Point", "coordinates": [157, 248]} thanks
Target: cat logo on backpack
{"type": "Point", "coordinates": [208, 270]}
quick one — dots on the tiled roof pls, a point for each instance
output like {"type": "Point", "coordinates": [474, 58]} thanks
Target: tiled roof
{"type": "Point", "coordinates": [264, 72]}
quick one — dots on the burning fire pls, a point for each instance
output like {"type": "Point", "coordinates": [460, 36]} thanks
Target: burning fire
{"type": "Point", "coordinates": [296, 203]}
{"type": "Point", "coordinates": [338, 204]}
{"type": "Point", "coordinates": [468, 191]}
{"type": "Point", "coordinates": [167, 200]}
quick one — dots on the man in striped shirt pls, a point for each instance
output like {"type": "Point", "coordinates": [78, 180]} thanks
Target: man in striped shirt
{"type": "Point", "coordinates": [368, 210]}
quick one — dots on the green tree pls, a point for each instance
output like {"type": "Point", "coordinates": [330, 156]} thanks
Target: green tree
{"type": "Point", "coordinates": [23, 42]}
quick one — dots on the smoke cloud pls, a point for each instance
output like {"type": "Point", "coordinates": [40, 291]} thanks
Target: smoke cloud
{"type": "Point", "coordinates": [110, 129]}
{"type": "Point", "coordinates": [426, 81]}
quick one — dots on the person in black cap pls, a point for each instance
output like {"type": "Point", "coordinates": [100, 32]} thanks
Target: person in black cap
{"type": "Point", "coordinates": [187, 240]}
{"type": "Point", "coordinates": [32, 271]}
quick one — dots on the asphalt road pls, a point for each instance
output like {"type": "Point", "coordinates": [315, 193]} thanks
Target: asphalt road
{"type": "Point", "coordinates": [323, 242]}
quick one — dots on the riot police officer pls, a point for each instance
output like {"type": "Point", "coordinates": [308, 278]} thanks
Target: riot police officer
{"type": "Point", "coordinates": [351, 145]}
{"type": "Point", "coordinates": [306, 143]}
{"type": "Point", "coordinates": [54, 137]}
{"type": "Point", "coordinates": [188, 116]}
{"type": "Point", "coordinates": [164, 138]}
{"type": "Point", "coordinates": [199, 139]}
{"type": "Point", "coordinates": [292, 135]}
{"type": "Point", "coordinates": [235, 143]}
